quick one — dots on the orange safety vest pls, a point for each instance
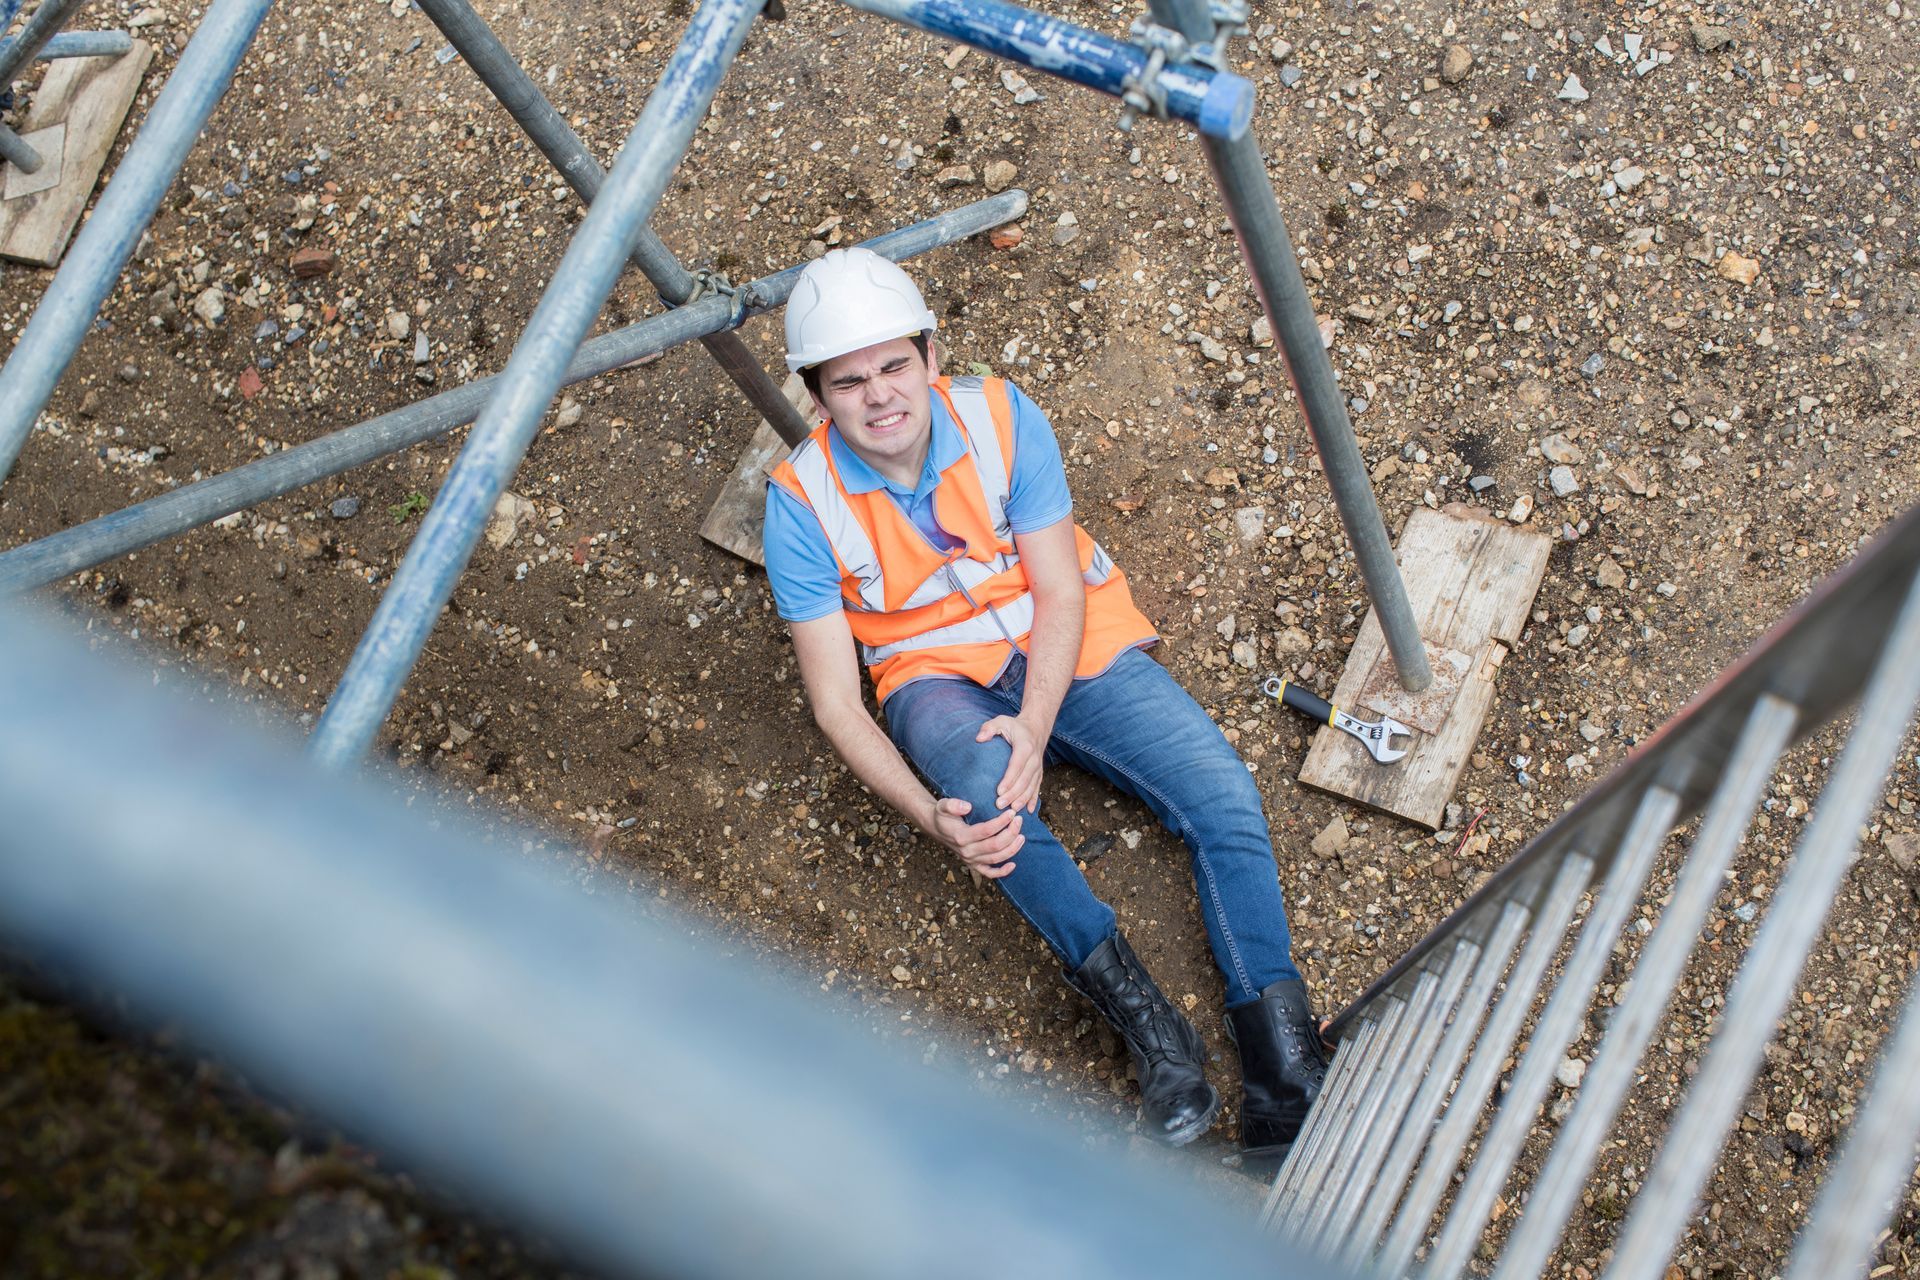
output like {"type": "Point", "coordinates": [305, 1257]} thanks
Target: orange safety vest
{"type": "Point", "coordinates": [917, 611]}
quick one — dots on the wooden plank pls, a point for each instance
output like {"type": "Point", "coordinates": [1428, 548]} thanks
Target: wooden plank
{"type": "Point", "coordinates": [90, 97]}
{"type": "Point", "coordinates": [1471, 580]}
{"type": "Point", "coordinates": [738, 515]}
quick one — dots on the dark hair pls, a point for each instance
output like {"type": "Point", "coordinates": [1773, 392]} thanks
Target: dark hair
{"type": "Point", "coordinates": [811, 374]}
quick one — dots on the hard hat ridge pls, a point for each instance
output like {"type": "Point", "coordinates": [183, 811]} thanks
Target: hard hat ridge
{"type": "Point", "coordinates": [849, 299]}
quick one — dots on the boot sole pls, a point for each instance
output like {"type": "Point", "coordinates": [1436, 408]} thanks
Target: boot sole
{"type": "Point", "coordinates": [1181, 1137]}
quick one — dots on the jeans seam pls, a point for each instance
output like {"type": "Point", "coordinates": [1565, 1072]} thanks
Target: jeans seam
{"type": "Point", "coordinates": [1192, 837]}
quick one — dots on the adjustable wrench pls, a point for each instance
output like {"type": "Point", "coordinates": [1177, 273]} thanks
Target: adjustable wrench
{"type": "Point", "coordinates": [1376, 738]}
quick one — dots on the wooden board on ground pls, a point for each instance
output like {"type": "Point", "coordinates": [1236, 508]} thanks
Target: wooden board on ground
{"type": "Point", "coordinates": [90, 97]}
{"type": "Point", "coordinates": [1471, 580]}
{"type": "Point", "coordinates": [740, 512]}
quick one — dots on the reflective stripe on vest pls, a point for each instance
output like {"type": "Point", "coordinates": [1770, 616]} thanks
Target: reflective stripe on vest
{"type": "Point", "coordinates": [961, 574]}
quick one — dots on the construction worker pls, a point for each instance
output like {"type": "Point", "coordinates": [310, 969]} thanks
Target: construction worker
{"type": "Point", "coordinates": [927, 527]}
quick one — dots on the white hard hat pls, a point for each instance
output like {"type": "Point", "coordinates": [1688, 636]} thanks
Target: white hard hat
{"type": "Point", "coordinates": [849, 299]}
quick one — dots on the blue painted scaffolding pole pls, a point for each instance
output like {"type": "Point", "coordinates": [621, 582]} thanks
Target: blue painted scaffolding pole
{"type": "Point", "coordinates": [411, 605]}
{"type": "Point", "coordinates": [100, 252]}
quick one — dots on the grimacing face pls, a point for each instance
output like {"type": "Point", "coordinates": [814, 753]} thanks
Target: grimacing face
{"type": "Point", "coordinates": [881, 400]}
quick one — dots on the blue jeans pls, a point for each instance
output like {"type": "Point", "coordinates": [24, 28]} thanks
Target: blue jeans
{"type": "Point", "coordinates": [1138, 729]}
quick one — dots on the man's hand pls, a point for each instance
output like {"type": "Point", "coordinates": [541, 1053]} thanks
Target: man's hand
{"type": "Point", "coordinates": [1020, 786]}
{"type": "Point", "coordinates": [985, 847]}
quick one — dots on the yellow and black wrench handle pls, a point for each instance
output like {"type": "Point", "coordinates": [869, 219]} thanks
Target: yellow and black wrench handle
{"type": "Point", "coordinates": [1292, 695]}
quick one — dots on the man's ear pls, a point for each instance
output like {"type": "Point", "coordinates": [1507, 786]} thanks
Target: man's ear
{"type": "Point", "coordinates": [820, 413]}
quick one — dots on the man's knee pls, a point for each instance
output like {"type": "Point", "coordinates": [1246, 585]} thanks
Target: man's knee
{"type": "Point", "coordinates": [965, 769]}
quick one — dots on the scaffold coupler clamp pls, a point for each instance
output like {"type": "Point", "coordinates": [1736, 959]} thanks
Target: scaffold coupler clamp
{"type": "Point", "coordinates": [1143, 94]}
{"type": "Point", "coordinates": [708, 282]}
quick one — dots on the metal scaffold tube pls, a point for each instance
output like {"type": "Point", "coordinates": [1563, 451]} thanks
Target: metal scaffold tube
{"type": "Point", "coordinates": [509, 83]}
{"type": "Point", "coordinates": [191, 505]}
{"type": "Point", "coordinates": [1551, 1199]}
{"type": "Point", "coordinates": [579, 288]}
{"type": "Point", "coordinates": [1484, 1067]}
{"type": "Point", "coordinates": [15, 151]}
{"type": "Point", "coordinates": [43, 26]}
{"type": "Point", "coordinates": [1553, 1033]}
{"type": "Point", "coordinates": [1217, 103]}
{"type": "Point", "coordinates": [1765, 982]}
{"type": "Point", "coordinates": [617, 1081]}
{"type": "Point", "coordinates": [105, 242]}
{"type": "Point", "coordinates": [86, 44]}
{"type": "Point", "coordinates": [1247, 192]}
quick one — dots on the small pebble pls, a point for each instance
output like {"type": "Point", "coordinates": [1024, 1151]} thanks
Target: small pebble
{"type": "Point", "coordinates": [344, 508]}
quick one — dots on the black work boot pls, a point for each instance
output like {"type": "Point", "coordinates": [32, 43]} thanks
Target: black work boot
{"type": "Point", "coordinates": [1176, 1102]}
{"type": "Point", "coordinates": [1282, 1064]}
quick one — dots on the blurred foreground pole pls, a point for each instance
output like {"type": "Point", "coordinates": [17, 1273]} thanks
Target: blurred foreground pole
{"type": "Point", "coordinates": [595, 1076]}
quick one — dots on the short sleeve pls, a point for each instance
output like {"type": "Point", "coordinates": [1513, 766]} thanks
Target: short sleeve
{"type": "Point", "coordinates": [801, 567]}
{"type": "Point", "coordinates": [1039, 496]}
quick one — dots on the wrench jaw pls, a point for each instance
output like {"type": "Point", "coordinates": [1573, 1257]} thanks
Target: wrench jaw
{"type": "Point", "coordinates": [1376, 738]}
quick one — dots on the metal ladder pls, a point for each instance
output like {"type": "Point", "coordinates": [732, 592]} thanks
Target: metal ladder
{"type": "Point", "coordinates": [1419, 1053]}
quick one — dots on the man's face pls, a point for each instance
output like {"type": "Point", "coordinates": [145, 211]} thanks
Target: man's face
{"type": "Point", "coordinates": [879, 398]}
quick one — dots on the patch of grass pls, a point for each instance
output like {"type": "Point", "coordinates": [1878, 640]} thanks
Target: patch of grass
{"type": "Point", "coordinates": [408, 507]}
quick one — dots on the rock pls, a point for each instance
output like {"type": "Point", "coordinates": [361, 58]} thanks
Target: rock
{"type": "Point", "coordinates": [1066, 227]}
{"type": "Point", "coordinates": [151, 17]}
{"type": "Point", "coordinates": [1534, 393]}
{"type": "Point", "coordinates": [1250, 523]}
{"type": "Point", "coordinates": [344, 508]}
{"type": "Point", "coordinates": [955, 175]}
{"type": "Point", "coordinates": [1591, 731]}
{"type": "Point", "coordinates": [1522, 509]}
{"type": "Point", "coordinates": [1227, 626]}
{"type": "Point", "coordinates": [312, 261]}
{"type": "Point", "coordinates": [1709, 39]}
{"type": "Point", "coordinates": [1244, 654]}
{"type": "Point", "coordinates": [1006, 237]}
{"type": "Point", "coordinates": [1292, 641]}
{"type": "Point", "coordinates": [422, 347]}
{"type": "Point", "coordinates": [1280, 50]}
{"type": "Point", "coordinates": [1094, 848]}
{"type": "Point", "coordinates": [1213, 349]}
{"type": "Point", "coordinates": [248, 384]}
{"type": "Point", "coordinates": [902, 974]}
{"type": "Point", "coordinates": [1593, 365]}
{"type": "Point", "coordinates": [1456, 64]}
{"type": "Point", "coordinates": [1562, 481]}
{"type": "Point", "coordinates": [1609, 574]}
{"type": "Point", "coordinates": [1573, 90]}
{"type": "Point", "coordinates": [398, 326]}
{"type": "Point", "coordinates": [1739, 269]}
{"type": "Point", "coordinates": [1222, 478]}
{"type": "Point", "coordinates": [1000, 175]}
{"type": "Point", "coordinates": [1629, 178]}
{"type": "Point", "coordinates": [1480, 484]}
{"type": "Point", "coordinates": [1570, 1072]}
{"type": "Point", "coordinates": [569, 413]}
{"type": "Point", "coordinates": [1261, 332]}
{"type": "Point", "coordinates": [1903, 847]}
{"type": "Point", "coordinates": [1577, 636]}
{"type": "Point", "coordinates": [1333, 839]}
{"type": "Point", "coordinates": [1290, 75]}
{"type": "Point", "coordinates": [1557, 448]}
{"type": "Point", "coordinates": [510, 514]}
{"type": "Point", "coordinates": [211, 305]}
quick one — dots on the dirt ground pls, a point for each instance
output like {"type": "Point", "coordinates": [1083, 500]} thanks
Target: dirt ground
{"type": "Point", "coordinates": [1669, 247]}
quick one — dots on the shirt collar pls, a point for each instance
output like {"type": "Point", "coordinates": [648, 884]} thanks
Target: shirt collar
{"type": "Point", "coordinates": [947, 448]}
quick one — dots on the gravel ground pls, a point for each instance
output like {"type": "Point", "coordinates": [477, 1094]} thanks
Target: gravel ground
{"type": "Point", "coordinates": [1643, 276]}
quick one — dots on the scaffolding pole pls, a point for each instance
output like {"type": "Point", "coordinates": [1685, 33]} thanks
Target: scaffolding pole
{"type": "Point", "coordinates": [43, 26]}
{"type": "Point", "coordinates": [191, 505]}
{"type": "Point", "coordinates": [1216, 103]}
{"type": "Point", "coordinates": [580, 285]}
{"type": "Point", "coordinates": [1241, 175]}
{"type": "Point", "coordinates": [509, 83]}
{"type": "Point", "coordinates": [100, 252]}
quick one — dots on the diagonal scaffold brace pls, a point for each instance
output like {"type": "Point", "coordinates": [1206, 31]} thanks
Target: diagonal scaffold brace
{"type": "Point", "coordinates": [422, 585]}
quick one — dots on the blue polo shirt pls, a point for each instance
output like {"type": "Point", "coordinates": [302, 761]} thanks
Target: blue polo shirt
{"type": "Point", "coordinates": [800, 565]}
